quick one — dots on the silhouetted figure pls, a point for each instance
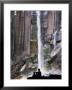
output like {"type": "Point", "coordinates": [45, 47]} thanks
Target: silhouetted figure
{"type": "Point", "coordinates": [34, 74]}
{"type": "Point", "coordinates": [39, 73]}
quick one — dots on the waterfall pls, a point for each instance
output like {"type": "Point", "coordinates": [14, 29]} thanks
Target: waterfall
{"type": "Point", "coordinates": [39, 39]}
{"type": "Point", "coordinates": [40, 52]}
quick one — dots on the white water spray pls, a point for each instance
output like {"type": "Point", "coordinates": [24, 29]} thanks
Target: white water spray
{"type": "Point", "coordinates": [40, 52]}
{"type": "Point", "coordinates": [39, 39]}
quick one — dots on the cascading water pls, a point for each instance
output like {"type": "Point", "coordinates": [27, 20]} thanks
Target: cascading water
{"type": "Point", "coordinates": [39, 39]}
{"type": "Point", "coordinates": [40, 52]}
